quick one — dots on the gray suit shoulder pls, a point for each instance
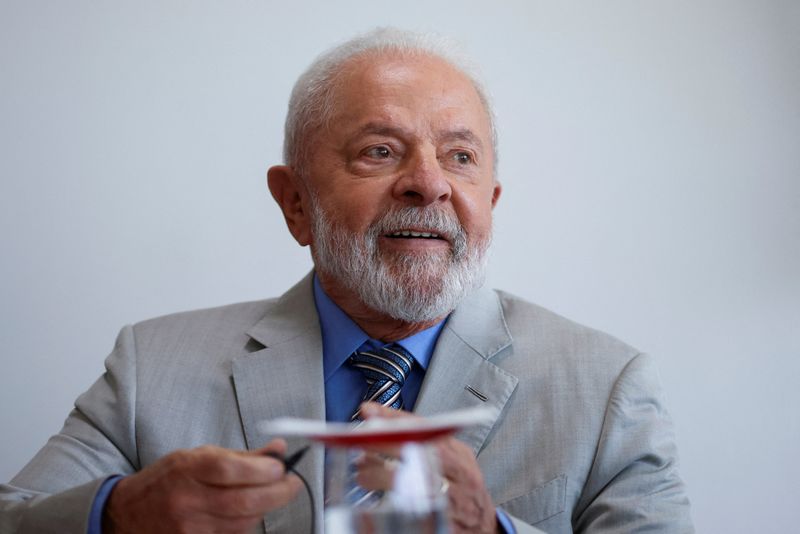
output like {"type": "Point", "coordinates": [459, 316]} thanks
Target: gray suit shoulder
{"type": "Point", "coordinates": [224, 327]}
{"type": "Point", "coordinates": [554, 337]}
{"type": "Point", "coordinates": [236, 314]}
{"type": "Point", "coordinates": [593, 411]}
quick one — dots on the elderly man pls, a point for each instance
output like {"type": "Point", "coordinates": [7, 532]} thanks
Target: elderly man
{"type": "Point", "coordinates": [390, 179]}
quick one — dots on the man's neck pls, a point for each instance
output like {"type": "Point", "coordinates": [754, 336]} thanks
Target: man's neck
{"type": "Point", "coordinates": [375, 324]}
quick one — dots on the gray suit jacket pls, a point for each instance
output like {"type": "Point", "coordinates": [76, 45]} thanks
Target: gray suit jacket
{"type": "Point", "coordinates": [581, 441]}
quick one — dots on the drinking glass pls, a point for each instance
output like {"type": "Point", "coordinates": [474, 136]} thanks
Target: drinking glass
{"type": "Point", "coordinates": [384, 488]}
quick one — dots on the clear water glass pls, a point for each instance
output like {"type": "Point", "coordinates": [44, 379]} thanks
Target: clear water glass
{"type": "Point", "coordinates": [384, 489]}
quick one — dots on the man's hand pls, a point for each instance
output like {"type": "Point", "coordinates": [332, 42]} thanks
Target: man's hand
{"type": "Point", "coordinates": [470, 506]}
{"type": "Point", "coordinates": [208, 489]}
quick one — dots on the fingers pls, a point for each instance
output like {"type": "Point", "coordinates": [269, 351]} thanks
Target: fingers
{"type": "Point", "coordinates": [276, 446]}
{"type": "Point", "coordinates": [458, 462]}
{"type": "Point", "coordinates": [208, 489]}
{"type": "Point", "coordinates": [375, 471]}
{"type": "Point", "coordinates": [249, 501]}
{"type": "Point", "coordinates": [223, 467]}
{"type": "Point", "coordinates": [470, 506]}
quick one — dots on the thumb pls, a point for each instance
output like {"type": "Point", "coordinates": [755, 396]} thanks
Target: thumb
{"type": "Point", "coordinates": [276, 447]}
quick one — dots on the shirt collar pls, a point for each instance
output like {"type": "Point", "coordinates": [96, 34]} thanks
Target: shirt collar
{"type": "Point", "coordinates": [341, 336]}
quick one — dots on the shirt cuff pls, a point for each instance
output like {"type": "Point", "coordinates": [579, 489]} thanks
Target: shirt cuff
{"type": "Point", "coordinates": [99, 503]}
{"type": "Point", "coordinates": [504, 522]}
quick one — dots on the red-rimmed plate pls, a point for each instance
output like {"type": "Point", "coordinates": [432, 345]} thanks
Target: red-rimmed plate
{"type": "Point", "coordinates": [378, 431]}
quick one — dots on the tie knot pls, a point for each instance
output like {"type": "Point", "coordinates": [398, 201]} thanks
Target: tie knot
{"type": "Point", "coordinates": [391, 362]}
{"type": "Point", "coordinates": [385, 370]}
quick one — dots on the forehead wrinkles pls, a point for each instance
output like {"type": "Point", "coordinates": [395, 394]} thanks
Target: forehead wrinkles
{"type": "Point", "coordinates": [396, 90]}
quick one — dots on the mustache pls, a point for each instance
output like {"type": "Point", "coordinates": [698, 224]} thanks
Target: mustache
{"type": "Point", "coordinates": [429, 219]}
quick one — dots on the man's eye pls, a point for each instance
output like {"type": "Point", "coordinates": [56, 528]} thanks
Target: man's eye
{"type": "Point", "coordinates": [463, 158]}
{"type": "Point", "coordinates": [378, 152]}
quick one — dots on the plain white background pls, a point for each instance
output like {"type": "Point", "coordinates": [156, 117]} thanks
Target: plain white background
{"type": "Point", "coordinates": [650, 153]}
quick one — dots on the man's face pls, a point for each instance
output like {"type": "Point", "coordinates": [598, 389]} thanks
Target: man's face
{"type": "Point", "coordinates": [403, 179]}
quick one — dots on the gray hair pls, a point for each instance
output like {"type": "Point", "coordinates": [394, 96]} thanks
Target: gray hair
{"type": "Point", "coordinates": [311, 104]}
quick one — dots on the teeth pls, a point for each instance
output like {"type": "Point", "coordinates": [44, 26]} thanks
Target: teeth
{"type": "Point", "coordinates": [409, 233]}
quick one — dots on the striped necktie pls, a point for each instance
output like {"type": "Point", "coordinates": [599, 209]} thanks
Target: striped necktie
{"type": "Point", "coordinates": [385, 370]}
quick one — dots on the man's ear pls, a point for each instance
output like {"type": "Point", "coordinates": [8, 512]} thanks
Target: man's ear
{"type": "Point", "coordinates": [496, 193]}
{"type": "Point", "coordinates": [289, 191]}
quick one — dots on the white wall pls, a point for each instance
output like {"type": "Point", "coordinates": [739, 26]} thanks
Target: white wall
{"type": "Point", "coordinates": [650, 153]}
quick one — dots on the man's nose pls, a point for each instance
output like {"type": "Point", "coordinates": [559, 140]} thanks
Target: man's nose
{"type": "Point", "coordinates": [423, 181]}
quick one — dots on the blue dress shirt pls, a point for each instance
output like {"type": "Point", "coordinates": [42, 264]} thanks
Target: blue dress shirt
{"type": "Point", "coordinates": [344, 385]}
{"type": "Point", "coordinates": [341, 337]}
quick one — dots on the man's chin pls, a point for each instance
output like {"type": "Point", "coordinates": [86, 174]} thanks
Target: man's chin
{"type": "Point", "coordinates": [435, 261]}
{"type": "Point", "coordinates": [422, 279]}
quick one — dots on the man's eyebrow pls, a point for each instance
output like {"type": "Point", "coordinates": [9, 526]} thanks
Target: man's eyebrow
{"type": "Point", "coordinates": [382, 128]}
{"type": "Point", "coordinates": [464, 134]}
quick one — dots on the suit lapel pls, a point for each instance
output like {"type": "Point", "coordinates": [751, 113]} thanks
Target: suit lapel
{"type": "Point", "coordinates": [461, 374]}
{"type": "Point", "coordinates": [284, 378]}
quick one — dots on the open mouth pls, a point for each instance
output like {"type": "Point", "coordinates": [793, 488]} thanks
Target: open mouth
{"type": "Point", "coordinates": [406, 234]}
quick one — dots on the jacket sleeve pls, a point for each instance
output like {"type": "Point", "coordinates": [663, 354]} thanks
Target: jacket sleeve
{"type": "Point", "coordinates": [633, 485]}
{"type": "Point", "coordinates": [55, 490]}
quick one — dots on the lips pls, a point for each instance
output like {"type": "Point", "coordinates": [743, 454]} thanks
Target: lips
{"type": "Point", "coordinates": [427, 227]}
{"type": "Point", "coordinates": [413, 234]}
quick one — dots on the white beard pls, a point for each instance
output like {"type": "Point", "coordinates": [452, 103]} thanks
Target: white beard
{"type": "Point", "coordinates": [411, 287]}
